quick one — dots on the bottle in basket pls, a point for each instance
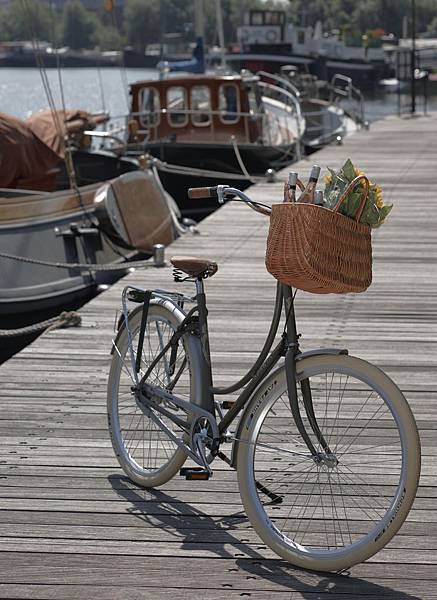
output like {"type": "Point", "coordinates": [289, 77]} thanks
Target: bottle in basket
{"type": "Point", "coordinates": [319, 198]}
{"type": "Point", "coordinates": [310, 188]}
{"type": "Point", "coordinates": [290, 187]}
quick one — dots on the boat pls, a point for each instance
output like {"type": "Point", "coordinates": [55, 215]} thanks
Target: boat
{"type": "Point", "coordinates": [392, 85]}
{"type": "Point", "coordinates": [266, 42]}
{"type": "Point", "coordinates": [69, 227]}
{"type": "Point", "coordinates": [31, 54]}
{"type": "Point", "coordinates": [332, 110]}
{"type": "Point", "coordinates": [208, 126]}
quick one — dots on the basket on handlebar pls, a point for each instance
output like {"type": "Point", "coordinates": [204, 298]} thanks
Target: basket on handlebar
{"type": "Point", "coordinates": [319, 250]}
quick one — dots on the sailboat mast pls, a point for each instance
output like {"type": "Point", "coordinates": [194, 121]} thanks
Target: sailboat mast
{"type": "Point", "coordinates": [220, 30]}
{"type": "Point", "coordinates": [199, 19]}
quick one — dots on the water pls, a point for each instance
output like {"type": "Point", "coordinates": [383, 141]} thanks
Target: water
{"type": "Point", "coordinates": [22, 92]}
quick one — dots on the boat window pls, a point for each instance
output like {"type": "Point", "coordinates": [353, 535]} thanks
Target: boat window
{"type": "Point", "coordinates": [150, 107]}
{"type": "Point", "coordinates": [273, 18]}
{"type": "Point", "coordinates": [229, 103]}
{"type": "Point", "coordinates": [177, 106]}
{"type": "Point", "coordinates": [201, 104]}
{"type": "Point", "coordinates": [257, 18]}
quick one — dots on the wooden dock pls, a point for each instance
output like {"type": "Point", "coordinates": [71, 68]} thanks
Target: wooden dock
{"type": "Point", "coordinates": [72, 527]}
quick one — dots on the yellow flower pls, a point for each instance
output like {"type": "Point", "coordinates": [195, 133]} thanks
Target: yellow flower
{"type": "Point", "coordinates": [376, 189]}
{"type": "Point", "coordinates": [327, 179]}
{"type": "Point", "coordinates": [359, 173]}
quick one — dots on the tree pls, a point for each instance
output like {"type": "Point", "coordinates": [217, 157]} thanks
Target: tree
{"type": "Point", "coordinates": [146, 21]}
{"type": "Point", "coordinates": [25, 20]}
{"type": "Point", "coordinates": [109, 38]}
{"type": "Point", "coordinates": [364, 15]}
{"type": "Point", "coordinates": [142, 22]}
{"type": "Point", "coordinates": [78, 26]}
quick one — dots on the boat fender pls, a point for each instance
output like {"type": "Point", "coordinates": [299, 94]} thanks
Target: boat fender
{"type": "Point", "coordinates": [133, 210]}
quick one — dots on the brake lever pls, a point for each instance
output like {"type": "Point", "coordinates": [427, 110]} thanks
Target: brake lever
{"type": "Point", "coordinates": [221, 192]}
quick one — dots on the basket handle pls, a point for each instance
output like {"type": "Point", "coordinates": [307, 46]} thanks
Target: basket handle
{"type": "Point", "coordinates": [353, 184]}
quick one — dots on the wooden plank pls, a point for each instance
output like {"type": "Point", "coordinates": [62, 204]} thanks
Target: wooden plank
{"type": "Point", "coordinates": [72, 527]}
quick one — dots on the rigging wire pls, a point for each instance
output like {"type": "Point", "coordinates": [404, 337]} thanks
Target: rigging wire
{"type": "Point", "coordinates": [60, 127]}
{"type": "Point", "coordinates": [123, 73]}
{"type": "Point", "coordinates": [102, 91]}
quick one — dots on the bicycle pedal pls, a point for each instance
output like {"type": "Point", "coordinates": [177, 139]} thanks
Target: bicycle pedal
{"type": "Point", "coordinates": [195, 473]}
{"type": "Point", "coordinates": [227, 404]}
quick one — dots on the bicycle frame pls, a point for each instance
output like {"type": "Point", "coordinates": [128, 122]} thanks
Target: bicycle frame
{"type": "Point", "coordinates": [288, 347]}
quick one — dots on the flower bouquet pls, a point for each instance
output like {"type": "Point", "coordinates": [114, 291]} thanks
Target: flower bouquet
{"type": "Point", "coordinates": [374, 212]}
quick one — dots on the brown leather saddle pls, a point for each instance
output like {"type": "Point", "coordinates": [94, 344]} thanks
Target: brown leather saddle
{"type": "Point", "coordinates": [195, 267]}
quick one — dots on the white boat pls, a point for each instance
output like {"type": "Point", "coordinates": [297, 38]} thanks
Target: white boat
{"type": "Point", "coordinates": [51, 230]}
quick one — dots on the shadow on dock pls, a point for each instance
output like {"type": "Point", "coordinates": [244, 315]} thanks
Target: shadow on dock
{"type": "Point", "coordinates": [176, 516]}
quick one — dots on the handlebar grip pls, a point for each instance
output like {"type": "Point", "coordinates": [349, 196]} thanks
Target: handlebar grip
{"type": "Point", "coordinates": [202, 192]}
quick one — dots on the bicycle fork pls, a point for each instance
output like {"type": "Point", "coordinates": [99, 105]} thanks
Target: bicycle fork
{"type": "Point", "coordinates": [290, 370]}
{"type": "Point", "coordinates": [292, 352]}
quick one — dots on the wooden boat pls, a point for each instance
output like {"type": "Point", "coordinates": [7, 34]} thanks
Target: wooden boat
{"type": "Point", "coordinates": [112, 212]}
{"type": "Point", "coordinates": [233, 124]}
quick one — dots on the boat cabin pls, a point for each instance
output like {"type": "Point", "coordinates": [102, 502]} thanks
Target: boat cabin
{"type": "Point", "coordinates": [198, 109]}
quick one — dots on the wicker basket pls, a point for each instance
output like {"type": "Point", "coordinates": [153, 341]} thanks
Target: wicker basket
{"type": "Point", "coordinates": [319, 250]}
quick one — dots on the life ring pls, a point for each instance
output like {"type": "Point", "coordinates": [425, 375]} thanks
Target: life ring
{"type": "Point", "coordinates": [271, 36]}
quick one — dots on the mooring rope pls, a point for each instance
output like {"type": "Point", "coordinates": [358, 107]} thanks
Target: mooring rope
{"type": "Point", "coordinates": [65, 319]}
{"type": "Point", "coordinates": [138, 264]}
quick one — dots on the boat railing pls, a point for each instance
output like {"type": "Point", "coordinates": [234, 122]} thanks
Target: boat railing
{"type": "Point", "coordinates": [342, 90]}
{"type": "Point", "coordinates": [150, 133]}
{"type": "Point", "coordinates": [281, 81]}
{"type": "Point", "coordinates": [278, 93]}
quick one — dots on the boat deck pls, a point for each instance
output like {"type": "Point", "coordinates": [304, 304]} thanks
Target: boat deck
{"type": "Point", "coordinates": [72, 527]}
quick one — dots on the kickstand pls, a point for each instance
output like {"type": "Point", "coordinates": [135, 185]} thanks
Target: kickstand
{"type": "Point", "coordinates": [275, 499]}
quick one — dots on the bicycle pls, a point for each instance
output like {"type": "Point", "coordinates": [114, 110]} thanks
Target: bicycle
{"type": "Point", "coordinates": [326, 448]}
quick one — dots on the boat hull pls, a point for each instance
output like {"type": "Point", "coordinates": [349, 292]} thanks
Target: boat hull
{"type": "Point", "coordinates": [257, 159]}
{"type": "Point", "coordinates": [364, 74]}
{"type": "Point", "coordinates": [71, 237]}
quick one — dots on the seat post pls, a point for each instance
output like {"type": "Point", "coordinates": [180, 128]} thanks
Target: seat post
{"type": "Point", "coordinates": [203, 320]}
{"type": "Point", "coordinates": [204, 340]}
{"type": "Point", "coordinates": [200, 288]}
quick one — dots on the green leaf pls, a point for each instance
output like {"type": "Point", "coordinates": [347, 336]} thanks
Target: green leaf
{"type": "Point", "coordinates": [384, 212]}
{"type": "Point", "coordinates": [348, 170]}
{"type": "Point", "coordinates": [370, 215]}
{"type": "Point", "coordinates": [331, 198]}
{"type": "Point", "coordinates": [351, 203]}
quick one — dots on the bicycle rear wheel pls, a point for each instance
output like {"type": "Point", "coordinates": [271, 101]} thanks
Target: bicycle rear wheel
{"type": "Point", "coordinates": [342, 507]}
{"type": "Point", "coordinates": [146, 453]}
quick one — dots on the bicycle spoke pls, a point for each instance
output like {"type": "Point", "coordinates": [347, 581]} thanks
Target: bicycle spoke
{"type": "Point", "coordinates": [146, 445]}
{"type": "Point", "coordinates": [333, 501]}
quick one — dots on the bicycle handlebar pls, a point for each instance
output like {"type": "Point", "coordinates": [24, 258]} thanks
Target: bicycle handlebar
{"type": "Point", "coordinates": [221, 191]}
{"type": "Point", "coordinates": [198, 193]}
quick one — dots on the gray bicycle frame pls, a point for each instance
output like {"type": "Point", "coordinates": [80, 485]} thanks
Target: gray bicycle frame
{"type": "Point", "coordinates": [287, 347]}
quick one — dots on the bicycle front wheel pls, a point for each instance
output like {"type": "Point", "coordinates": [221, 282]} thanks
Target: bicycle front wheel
{"type": "Point", "coordinates": [340, 507]}
{"type": "Point", "coordinates": [145, 452]}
